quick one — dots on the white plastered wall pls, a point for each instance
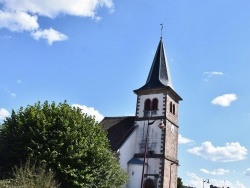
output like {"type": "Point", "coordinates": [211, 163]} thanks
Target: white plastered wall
{"type": "Point", "coordinates": [135, 174]}
{"type": "Point", "coordinates": [127, 150]}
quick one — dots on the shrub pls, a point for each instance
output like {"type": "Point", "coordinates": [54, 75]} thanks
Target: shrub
{"type": "Point", "coordinates": [30, 176]}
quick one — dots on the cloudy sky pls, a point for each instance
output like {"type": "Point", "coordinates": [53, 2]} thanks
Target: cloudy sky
{"type": "Point", "coordinates": [94, 53]}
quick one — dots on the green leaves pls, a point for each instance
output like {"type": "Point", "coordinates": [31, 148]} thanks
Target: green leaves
{"type": "Point", "coordinates": [69, 142]}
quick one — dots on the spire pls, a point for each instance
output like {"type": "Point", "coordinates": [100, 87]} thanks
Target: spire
{"type": "Point", "coordinates": [159, 75]}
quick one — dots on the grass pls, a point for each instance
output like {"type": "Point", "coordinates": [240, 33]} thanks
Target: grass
{"type": "Point", "coordinates": [30, 176]}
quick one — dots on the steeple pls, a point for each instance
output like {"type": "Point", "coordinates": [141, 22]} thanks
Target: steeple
{"type": "Point", "coordinates": [148, 153]}
{"type": "Point", "coordinates": [159, 74]}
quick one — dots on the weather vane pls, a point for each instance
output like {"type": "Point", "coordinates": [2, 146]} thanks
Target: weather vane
{"type": "Point", "coordinates": [161, 29]}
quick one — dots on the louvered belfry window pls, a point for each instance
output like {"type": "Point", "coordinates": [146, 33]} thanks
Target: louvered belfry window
{"type": "Point", "coordinates": [150, 107]}
{"type": "Point", "coordinates": [147, 105]}
{"type": "Point", "coordinates": [155, 104]}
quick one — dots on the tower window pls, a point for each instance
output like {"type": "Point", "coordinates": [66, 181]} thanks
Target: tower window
{"type": "Point", "coordinates": [147, 105]}
{"type": "Point", "coordinates": [172, 108]}
{"type": "Point", "coordinates": [155, 104]}
{"type": "Point", "coordinates": [150, 107]}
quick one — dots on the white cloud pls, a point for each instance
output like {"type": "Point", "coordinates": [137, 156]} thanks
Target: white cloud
{"type": "Point", "coordinates": [19, 81]}
{"type": "Point", "coordinates": [18, 21]}
{"type": "Point", "coordinates": [48, 8]}
{"type": "Point", "coordinates": [10, 92]}
{"type": "Point", "coordinates": [22, 15]}
{"type": "Point", "coordinates": [197, 182]}
{"type": "Point", "coordinates": [194, 180]}
{"type": "Point", "coordinates": [224, 100]}
{"type": "Point", "coordinates": [3, 113]}
{"type": "Point", "coordinates": [90, 111]}
{"type": "Point", "coordinates": [182, 140]}
{"type": "Point", "coordinates": [247, 172]}
{"type": "Point", "coordinates": [238, 184]}
{"type": "Point", "coordinates": [50, 35]}
{"type": "Point", "coordinates": [218, 172]}
{"type": "Point", "coordinates": [205, 171]}
{"type": "Point", "coordinates": [213, 73]}
{"type": "Point", "coordinates": [228, 153]}
{"type": "Point", "coordinates": [4, 88]}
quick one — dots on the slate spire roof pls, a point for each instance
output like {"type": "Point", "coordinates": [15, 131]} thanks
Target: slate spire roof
{"type": "Point", "coordinates": [159, 74]}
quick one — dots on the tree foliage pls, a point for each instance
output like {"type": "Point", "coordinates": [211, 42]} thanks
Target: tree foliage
{"type": "Point", "coordinates": [68, 142]}
{"type": "Point", "coordinates": [179, 183]}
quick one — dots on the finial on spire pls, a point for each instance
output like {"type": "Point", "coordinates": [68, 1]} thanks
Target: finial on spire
{"type": "Point", "coordinates": [161, 29]}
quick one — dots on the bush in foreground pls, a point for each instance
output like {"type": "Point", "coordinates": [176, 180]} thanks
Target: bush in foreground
{"type": "Point", "coordinates": [30, 176]}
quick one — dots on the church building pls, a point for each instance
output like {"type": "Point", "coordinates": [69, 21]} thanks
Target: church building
{"type": "Point", "coordinates": [147, 143]}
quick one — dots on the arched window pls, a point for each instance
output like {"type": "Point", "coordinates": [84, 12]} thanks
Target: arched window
{"type": "Point", "coordinates": [147, 105]}
{"type": "Point", "coordinates": [171, 107]}
{"type": "Point", "coordinates": [149, 183]}
{"type": "Point", "coordinates": [150, 107]}
{"type": "Point", "coordinates": [155, 104]}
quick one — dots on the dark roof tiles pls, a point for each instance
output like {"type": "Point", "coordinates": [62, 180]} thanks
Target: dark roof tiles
{"type": "Point", "coordinates": [135, 161]}
{"type": "Point", "coordinates": [118, 129]}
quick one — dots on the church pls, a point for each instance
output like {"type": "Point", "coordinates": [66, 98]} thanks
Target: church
{"type": "Point", "coordinates": [147, 143]}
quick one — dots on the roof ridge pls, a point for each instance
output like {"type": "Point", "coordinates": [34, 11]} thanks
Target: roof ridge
{"type": "Point", "coordinates": [118, 116]}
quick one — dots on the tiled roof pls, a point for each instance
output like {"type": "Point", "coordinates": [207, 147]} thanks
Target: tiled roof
{"type": "Point", "coordinates": [159, 75]}
{"type": "Point", "coordinates": [135, 161]}
{"type": "Point", "coordinates": [118, 129]}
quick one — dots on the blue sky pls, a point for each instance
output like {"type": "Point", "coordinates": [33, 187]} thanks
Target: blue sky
{"type": "Point", "coordinates": [95, 53]}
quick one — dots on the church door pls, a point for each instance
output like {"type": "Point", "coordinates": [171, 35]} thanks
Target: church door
{"type": "Point", "coordinates": [149, 183]}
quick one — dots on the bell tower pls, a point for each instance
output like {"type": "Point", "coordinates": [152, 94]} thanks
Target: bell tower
{"type": "Point", "coordinates": [156, 146]}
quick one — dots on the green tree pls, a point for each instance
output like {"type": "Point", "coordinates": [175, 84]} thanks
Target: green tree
{"type": "Point", "coordinates": [179, 183]}
{"type": "Point", "coordinates": [68, 142]}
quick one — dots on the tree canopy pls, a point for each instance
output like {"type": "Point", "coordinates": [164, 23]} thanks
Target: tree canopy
{"type": "Point", "coordinates": [179, 183]}
{"type": "Point", "coordinates": [67, 141]}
